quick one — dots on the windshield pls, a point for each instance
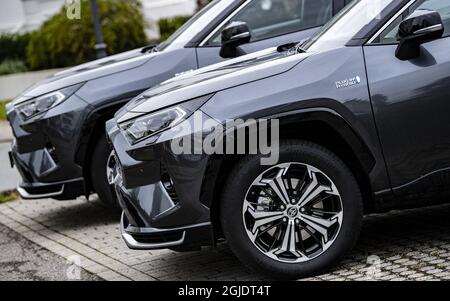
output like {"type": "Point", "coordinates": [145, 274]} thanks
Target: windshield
{"type": "Point", "coordinates": [195, 24]}
{"type": "Point", "coordinates": [346, 24]}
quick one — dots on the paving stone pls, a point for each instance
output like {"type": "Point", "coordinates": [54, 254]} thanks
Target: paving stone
{"type": "Point", "coordinates": [109, 275]}
{"type": "Point", "coordinates": [416, 249]}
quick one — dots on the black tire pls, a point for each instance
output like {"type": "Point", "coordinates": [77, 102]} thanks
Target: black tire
{"type": "Point", "coordinates": [242, 177]}
{"type": "Point", "coordinates": [98, 175]}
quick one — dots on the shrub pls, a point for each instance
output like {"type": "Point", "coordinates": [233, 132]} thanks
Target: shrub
{"type": "Point", "coordinates": [9, 66]}
{"type": "Point", "coordinates": [8, 196]}
{"type": "Point", "coordinates": [62, 42]}
{"type": "Point", "coordinates": [168, 26]}
{"type": "Point", "coordinates": [3, 109]}
{"type": "Point", "coordinates": [13, 46]}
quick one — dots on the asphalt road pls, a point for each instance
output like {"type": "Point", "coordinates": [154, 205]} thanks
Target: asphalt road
{"type": "Point", "coordinates": [22, 260]}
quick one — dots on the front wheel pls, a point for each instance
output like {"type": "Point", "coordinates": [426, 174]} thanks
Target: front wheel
{"type": "Point", "coordinates": [102, 173]}
{"type": "Point", "coordinates": [294, 219]}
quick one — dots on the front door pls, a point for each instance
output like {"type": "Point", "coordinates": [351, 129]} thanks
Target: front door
{"type": "Point", "coordinates": [411, 102]}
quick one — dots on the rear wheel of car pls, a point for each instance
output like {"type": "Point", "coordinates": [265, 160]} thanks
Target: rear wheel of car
{"type": "Point", "coordinates": [294, 219]}
{"type": "Point", "coordinates": [102, 169]}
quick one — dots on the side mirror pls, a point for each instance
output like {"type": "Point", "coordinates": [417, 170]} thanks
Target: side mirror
{"type": "Point", "coordinates": [422, 26]}
{"type": "Point", "coordinates": [235, 34]}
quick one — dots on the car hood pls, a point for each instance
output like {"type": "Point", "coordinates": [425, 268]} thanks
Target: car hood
{"type": "Point", "coordinates": [88, 71]}
{"type": "Point", "coordinates": [214, 78]}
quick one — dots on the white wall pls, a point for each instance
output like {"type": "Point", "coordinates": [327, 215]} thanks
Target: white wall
{"type": "Point", "coordinates": [39, 11]}
{"type": "Point", "coordinates": [28, 15]}
{"type": "Point", "coordinates": [157, 9]}
{"type": "Point", "coordinates": [12, 15]}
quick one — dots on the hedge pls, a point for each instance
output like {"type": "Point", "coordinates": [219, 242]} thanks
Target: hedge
{"type": "Point", "coordinates": [168, 26]}
{"type": "Point", "coordinates": [13, 46]}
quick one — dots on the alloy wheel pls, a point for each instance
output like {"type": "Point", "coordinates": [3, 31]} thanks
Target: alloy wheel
{"type": "Point", "coordinates": [111, 170]}
{"type": "Point", "coordinates": [292, 212]}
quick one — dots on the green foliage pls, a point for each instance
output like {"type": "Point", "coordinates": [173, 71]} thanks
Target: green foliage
{"type": "Point", "coordinates": [12, 66]}
{"type": "Point", "coordinates": [13, 46]}
{"type": "Point", "coordinates": [3, 109]}
{"type": "Point", "coordinates": [62, 42]}
{"type": "Point", "coordinates": [8, 196]}
{"type": "Point", "coordinates": [168, 26]}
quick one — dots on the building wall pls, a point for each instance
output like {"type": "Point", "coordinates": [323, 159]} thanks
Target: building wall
{"type": "Point", "coordinates": [38, 11]}
{"type": "Point", "coordinates": [12, 15]}
{"type": "Point", "coordinates": [157, 9]}
{"type": "Point", "coordinates": [28, 15]}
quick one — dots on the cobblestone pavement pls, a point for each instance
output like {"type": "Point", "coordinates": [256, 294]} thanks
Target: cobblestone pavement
{"type": "Point", "coordinates": [406, 245]}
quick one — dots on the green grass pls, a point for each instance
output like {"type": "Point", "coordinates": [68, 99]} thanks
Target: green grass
{"type": "Point", "coordinates": [8, 196]}
{"type": "Point", "coordinates": [3, 109]}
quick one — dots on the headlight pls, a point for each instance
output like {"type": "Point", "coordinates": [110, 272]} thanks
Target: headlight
{"type": "Point", "coordinates": [151, 124]}
{"type": "Point", "coordinates": [45, 102]}
{"type": "Point", "coordinates": [143, 127]}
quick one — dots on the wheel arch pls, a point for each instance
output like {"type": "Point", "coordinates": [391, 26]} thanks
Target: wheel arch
{"type": "Point", "coordinates": [93, 129]}
{"type": "Point", "coordinates": [323, 127]}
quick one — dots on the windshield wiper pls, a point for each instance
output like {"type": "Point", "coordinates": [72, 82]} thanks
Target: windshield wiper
{"type": "Point", "coordinates": [286, 47]}
{"type": "Point", "coordinates": [293, 47]}
{"type": "Point", "coordinates": [299, 47]}
{"type": "Point", "coordinates": [150, 48]}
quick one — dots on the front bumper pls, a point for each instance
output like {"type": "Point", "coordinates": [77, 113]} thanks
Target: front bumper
{"type": "Point", "coordinates": [161, 196]}
{"type": "Point", "coordinates": [44, 151]}
{"type": "Point", "coordinates": [153, 238]}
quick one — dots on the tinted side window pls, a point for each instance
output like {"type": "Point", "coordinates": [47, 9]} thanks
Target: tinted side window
{"type": "Point", "coordinates": [270, 18]}
{"type": "Point", "coordinates": [389, 35]}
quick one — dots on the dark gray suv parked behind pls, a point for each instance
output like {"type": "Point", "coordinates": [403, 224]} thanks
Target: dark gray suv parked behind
{"type": "Point", "coordinates": [363, 112]}
{"type": "Point", "coordinates": [60, 147]}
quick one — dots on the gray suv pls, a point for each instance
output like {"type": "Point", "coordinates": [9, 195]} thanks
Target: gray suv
{"type": "Point", "coordinates": [361, 110]}
{"type": "Point", "coordinates": [60, 147]}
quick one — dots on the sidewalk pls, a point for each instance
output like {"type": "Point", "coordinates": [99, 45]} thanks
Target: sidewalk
{"type": "Point", "coordinates": [407, 245]}
{"type": "Point", "coordinates": [9, 177]}
{"type": "Point", "coordinates": [6, 135]}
